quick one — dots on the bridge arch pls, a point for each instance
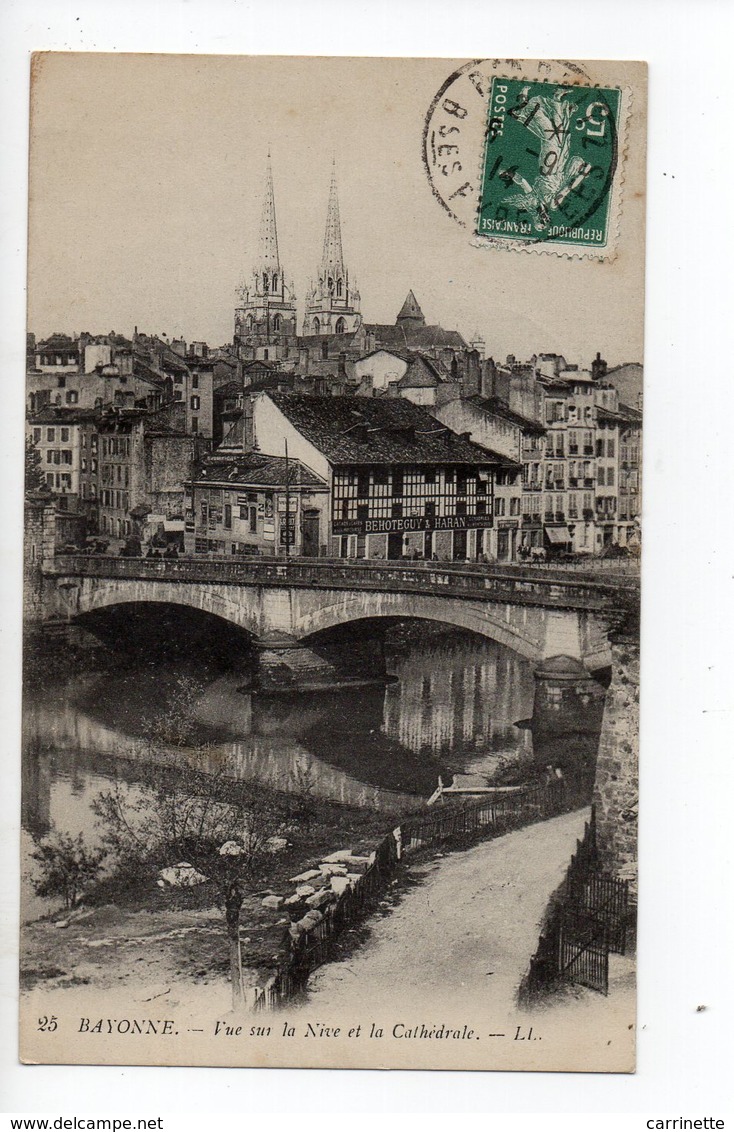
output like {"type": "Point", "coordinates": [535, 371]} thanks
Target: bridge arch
{"type": "Point", "coordinates": [92, 595]}
{"type": "Point", "coordinates": [514, 629]}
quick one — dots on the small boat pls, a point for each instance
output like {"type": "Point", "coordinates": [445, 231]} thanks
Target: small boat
{"type": "Point", "coordinates": [469, 785]}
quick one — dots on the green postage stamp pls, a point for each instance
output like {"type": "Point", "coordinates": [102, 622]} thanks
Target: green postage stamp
{"type": "Point", "coordinates": [549, 162]}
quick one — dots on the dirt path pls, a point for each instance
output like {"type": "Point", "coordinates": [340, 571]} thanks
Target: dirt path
{"type": "Point", "coordinates": [465, 933]}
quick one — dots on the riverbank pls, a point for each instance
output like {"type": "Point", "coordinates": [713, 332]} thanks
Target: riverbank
{"type": "Point", "coordinates": [103, 942]}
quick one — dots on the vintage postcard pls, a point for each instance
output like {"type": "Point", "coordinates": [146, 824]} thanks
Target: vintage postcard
{"type": "Point", "coordinates": [332, 562]}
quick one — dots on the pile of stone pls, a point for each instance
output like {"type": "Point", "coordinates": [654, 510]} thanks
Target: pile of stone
{"type": "Point", "coordinates": [319, 887]}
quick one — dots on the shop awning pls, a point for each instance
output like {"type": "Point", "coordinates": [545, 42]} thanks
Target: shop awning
{"type": "Point", "coordinates": [557, 535]}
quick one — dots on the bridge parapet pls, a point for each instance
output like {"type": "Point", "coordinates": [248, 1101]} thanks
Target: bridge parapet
{"type": "Point", "coordinates": [516, 585]}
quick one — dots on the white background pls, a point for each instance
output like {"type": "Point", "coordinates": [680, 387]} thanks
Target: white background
{"type": "Point", "coordinates": [686, 946]}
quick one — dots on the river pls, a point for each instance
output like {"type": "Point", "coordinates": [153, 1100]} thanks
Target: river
{"type": "Point", "coordinates": [452, 705]}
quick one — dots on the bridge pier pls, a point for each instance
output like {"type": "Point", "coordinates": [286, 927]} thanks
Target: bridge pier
{"type": "Point", "coordinates": [285, 664]}
{"type": "Point", "coordinates": [567, 697]}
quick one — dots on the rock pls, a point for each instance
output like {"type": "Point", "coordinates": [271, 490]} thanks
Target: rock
{"type": "Point", "coordinates": [294, 899]}
{"type": "Point", "coordinates": [274, 902]}
{"type": "Point", "coordinates": [354, 877]}
{"type": "Point", "coordinates": [340, 884]}
{"type": "Point", "coordinates": [332, 870]}
{"type": "Point", "coordinates": [304, 890]}
{"type": "Point", "coordinates": [294, 930]}
{"type": "Point", "coordinates": [230, 849]}
{"type": "Point", "coordinates": [302, 878]}
{"type": "Point", "coordinates": [340, 855]}
{"type": "Point", "coordinates": [310, 920]}
{"type": "Point", "coordinates": [276, 844]}
{"type": "Point", "coordinates": [181, 876]}
{"type": "Point", "coordinates": [61, 924]}
{"type": "Point", "coordinates": [320, 898]}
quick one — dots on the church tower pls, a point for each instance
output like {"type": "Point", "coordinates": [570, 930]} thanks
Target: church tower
{"type": "Point", "coordinates": [332, 304]}
{"type": "Point", "coordinates": [265, 317]}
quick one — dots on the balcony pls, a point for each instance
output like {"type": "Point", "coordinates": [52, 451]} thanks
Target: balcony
{"type": "Point", "coordinates": [588, 481]}
{"type": "Point", "coordinates": [560, 516]}
{"type": "Point", "coordinates": [588, 514]}
{"type": "Point", "coordinates": [573, 481]}
{"type": "Point", "coordinates": [588, 450]}
{"type": "Point", "coordinates": [549, 516]}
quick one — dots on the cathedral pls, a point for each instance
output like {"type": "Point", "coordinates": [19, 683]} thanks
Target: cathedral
{"type": "Point", "coordinates": [333, 333]}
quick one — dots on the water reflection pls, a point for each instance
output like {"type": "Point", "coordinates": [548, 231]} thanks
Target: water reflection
{"type": "Point", "coordinates": [452, 706]}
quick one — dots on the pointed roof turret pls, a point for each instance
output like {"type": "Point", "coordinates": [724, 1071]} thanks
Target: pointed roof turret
{"type": "Point", "coordinates": [411, 312]}
{"type": "Point", "coordinates": [269, 260]}
{"type": "Point", "coordinates": [332, 262]}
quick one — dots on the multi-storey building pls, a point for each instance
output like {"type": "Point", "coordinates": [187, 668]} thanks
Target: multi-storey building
{"type": "Point", "coordinates": [629, 476]}
{"type": "Point", "coordinates": [248, 503]}
{"type": "Point", "coordinates": [399, 485]}
{"type": "Point", "coordinates": [59, 436]}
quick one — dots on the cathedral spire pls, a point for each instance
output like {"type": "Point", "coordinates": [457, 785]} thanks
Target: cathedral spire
{"type": "Point", "coordinates": [332, 263]}
{"type": "Point", "coordinates": [269, 259]}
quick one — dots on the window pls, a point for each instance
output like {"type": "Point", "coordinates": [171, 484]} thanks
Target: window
{"type": "Point", "coordinates": [397, 482]}
{"type": "Point", "coordinates": [340, 326]}
{"type": "Point", "coordinates": [481, 507]}
{"type": "Point", "coordinates": [600, 477]}
{"type": "Point", "coordinates": [499, 506]}
{"type": "Point", "coordinates": [363, 483]}
{"type": "Point", "coordinates": [36, 435]}
{"type": "Point", "coordinates": [275, 288]}
{"type": "Point", "coordinates": [316, 326]}
{"type": "Point", "coordinates": [514, 506]}
{"type": "Point", "coordinates": [195, 381]}
{"type": "Point", "coordinates": [50, 435]}
{"type": "Point", "coordinates": [338, 292]}
{"type": "Point", "coordinates": [72, 397]}
{"type": "Point", "coordinates": [253, 519]}
{"type": "Point", "coordinates": [276, 322]}
{"type": "Point", "coordinates": [429, 509]}
{"type": "Point", "coordinates": [195, 402]}
{"type": "Point", "coordinates": [429, 475]}
{"type": "Point", "coordinates": [396, 511]}
{"type": "Point", "coordinates": [228, 516]}
{"type": "Point", "coordinates": [610, 449]}
{"type": "Point", "coordinates": [194, 424]}
{"type": "Point", "coordinates": [380, 476]}
{"type": "Point", "coordinates": [461, 507]}
{"type": "Point", "coordinates": [610, 477]}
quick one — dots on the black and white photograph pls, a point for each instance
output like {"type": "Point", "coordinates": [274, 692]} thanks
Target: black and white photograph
{"type": "Point", "coordinates": [332, 548]}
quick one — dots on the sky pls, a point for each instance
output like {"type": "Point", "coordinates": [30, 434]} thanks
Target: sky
{"type": "Point", "coordinates": [147, 175]}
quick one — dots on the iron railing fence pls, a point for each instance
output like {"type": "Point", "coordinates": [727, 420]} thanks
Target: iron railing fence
{"type": "Point", "coordinates": [314, 946]}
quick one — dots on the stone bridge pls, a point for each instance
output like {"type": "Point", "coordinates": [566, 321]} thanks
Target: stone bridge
{"type": "Point", "coordinates": [287, 606]}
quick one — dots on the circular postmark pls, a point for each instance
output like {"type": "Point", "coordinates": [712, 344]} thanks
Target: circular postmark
{"type": "Point", "coordinates": [521, 152]}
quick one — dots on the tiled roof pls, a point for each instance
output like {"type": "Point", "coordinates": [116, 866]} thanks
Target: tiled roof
{"type": "Point", "coordinates": [409, 336]}
{"type": "Point", "coordinates": [56, 414]}
{"type": "Point", "coordinates": [374, 430]}
{"type": "Point", "coordinates": [498, 408]}
{"type": "Point", "coordinates": [255, 470]}
{"type": "Point", "coordinates": [421, 374]}
{"type": "Point", "coordinates": [630, 415]}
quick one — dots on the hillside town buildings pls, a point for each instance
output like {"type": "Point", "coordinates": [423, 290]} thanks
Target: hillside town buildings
{"type": "Point", "coordinates": [403, 439]}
